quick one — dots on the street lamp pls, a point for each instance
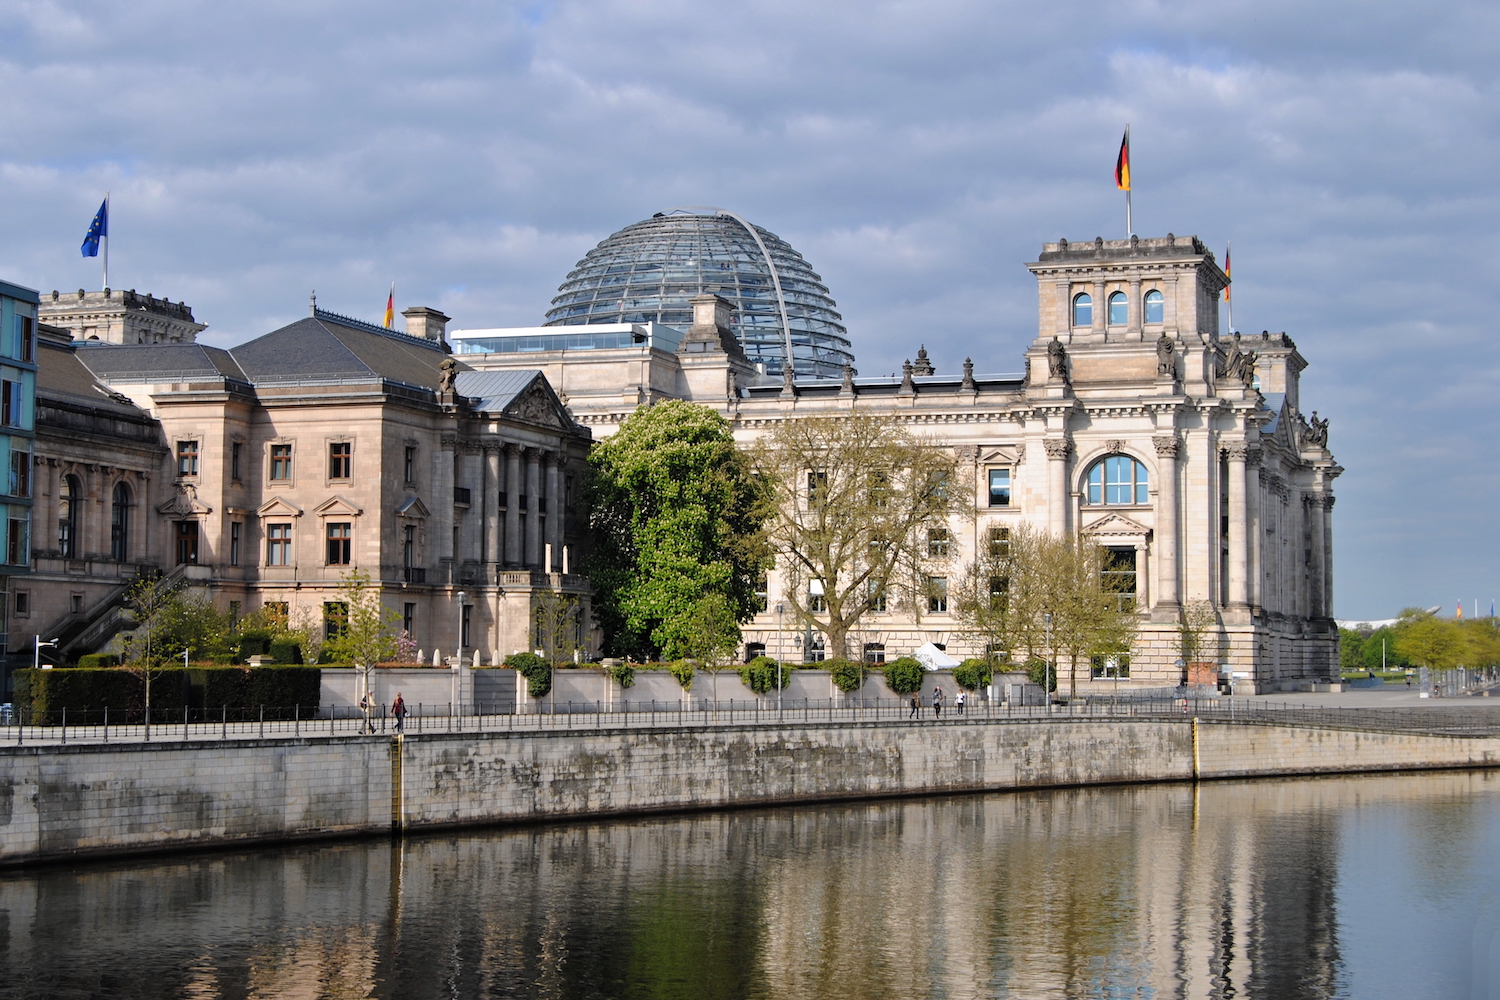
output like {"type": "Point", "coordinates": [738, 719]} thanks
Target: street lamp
{"type": "Point", "coordinates": [36, 654]}
{"type": "Point", "coordinates": [461, 598]}
{"type": "Point", "coordinates": [779, 609]}
{"type": "Point", "coordinates": [1050, 665]}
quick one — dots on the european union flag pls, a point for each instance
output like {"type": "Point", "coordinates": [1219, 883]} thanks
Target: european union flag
{"type": "Point", "coordinates": [98, 230]}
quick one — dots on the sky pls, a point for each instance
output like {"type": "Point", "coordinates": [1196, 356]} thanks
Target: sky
{"type": "Point", "coordinates": [917, 154]}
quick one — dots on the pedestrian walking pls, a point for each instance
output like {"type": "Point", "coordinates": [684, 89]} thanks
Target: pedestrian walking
{"type": "Point", "coordinates": [398, 709]}
{"type": "Point", "coordinates": [958, 703]}
{"type": "Point", "coordinates": [916, 706]}
{"type": "Point", "coordinates": [937, 702]}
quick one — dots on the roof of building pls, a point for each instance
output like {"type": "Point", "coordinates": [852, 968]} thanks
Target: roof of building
{"type": "Point", "coordinates": [648, 272]}
{"type": "Point", "coordinates": [160, 362]}
{"type": "Point", "coordinates": [61, 376]}
{"type": "Point", "coordinates": [324, 347]}
{"type": "Point", "coordinates": [493, 391]}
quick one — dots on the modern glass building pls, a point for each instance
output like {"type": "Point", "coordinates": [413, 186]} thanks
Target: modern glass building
{"type": "Point", "coordinates": [648, 272]}
{"type": "Point", "coordinates": [18, 308]}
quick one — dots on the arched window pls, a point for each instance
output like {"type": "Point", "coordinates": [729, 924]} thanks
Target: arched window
{"type": "Point", "coordinates": [1118, 479]}
{"type": "Point", "coordinates": [1083, 309]}
{"type": "Point", "coordinates": [1119, 312]}
{"type": "Point", "coordinates": [119, 523]}
{"type": "Point", "coordinates": [1154, 307]}
{"type": "Point", "coordinates": [67, 517]}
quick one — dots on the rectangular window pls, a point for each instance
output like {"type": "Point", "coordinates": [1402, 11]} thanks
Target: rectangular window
{"type": "Point", "coordinates": [26, 334]}
{"type": "Point", "coordinates": [278, 545]}
{"type": "Point", "coordinates": [411, 464]}
{"type": "Point", "coordinates": [10, 403]}
{"type": "Point", "coordinates": [1109, 666]}
{"type": "Point", "coordinates": [187, 543]}
{"type": "Point", "coordinates": [23, 603]}
{"type": "Point", "coordinates": [20, 474]}
{"type": "Point", "coordinates": [999, 487]}
{"type": "Point", "coordinates": [236, 450]}
{"type": "Point", "coordinates": [1118, 577]}
{"type": "Point", "coordinates": [937, 543]}
{"type": "Point", "coordinates": [340, 534]}
{"type": "Point", "coordinates": [762, 593]}
{"type": "Point", "coordinates": [880, 490]}
{"type": "Point", "coordinates": [466, 619]}
{"type": "Point", "coordinates": [999, 543]}
{"type": "Point", "coordinates": [340, 460]}
{"type": "Point", "coordinates": [409, 545]}
{"type": "Point", "coordinates": [335, 619]}
{"type": "Point", "coordinates": [234, 542]}
{"type": "Point", "coordinates": [278, 613]}
{"type": "Point", "coordinates": [187, 458]}
{"type": "Point", "coordinates": [817, 488]}
{"type": "Point", "coordinates": [281, 462]}
{"type": "Point", "coordinates": [999, 592]}
{"type": "Point", "coordinates": [408, 618]}
{"type": "Point", "coordinates": [874, 652]}
{"type": "Point", "coordinates": [937, 594]}
{"type": "Point", "coordinates": [877, 595]}
{"type": "Point", "coordinates": [816, 602]}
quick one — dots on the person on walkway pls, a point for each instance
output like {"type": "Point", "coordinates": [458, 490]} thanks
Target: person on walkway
{"type": "Point", "coordinates": [958, 702]}
{"type": "Point", "coordinates": [916, 707]}
{"type": "Point", "coordinates": [398, 710]}
{"type": "Point", "coordinates": [937, 702]}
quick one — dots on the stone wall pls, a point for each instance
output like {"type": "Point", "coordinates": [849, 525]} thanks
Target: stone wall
{"type": "Point", "coordinates": [62, 801]}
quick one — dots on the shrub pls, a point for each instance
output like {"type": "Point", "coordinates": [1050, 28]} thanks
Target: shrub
{"type": "Point", "coordinates": [122, 690]}
{"type": "Point", "coordinates": [284, 649]}
{"type": "Point", "coordinates": [848, 676]}
{"type": "Point", "coordinates": [98, 660]}
{"type": "Point", "coordinates": [537, 671]}
{"type": "Point", "coordinates": [760, 674]}
{"type": "Point", "coordinates": [622, 672]}
{"type": "Point", "coordinates": [1036, 670]}
{"type": "Point", "coordinates": [683, 670]}
{"type": "Point", "coordinates": [972, 674]}
{"type": "Point", "coordinates": [904, 675]}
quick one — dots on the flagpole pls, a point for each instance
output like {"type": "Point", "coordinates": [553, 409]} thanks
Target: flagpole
{"type": "Point", "coordinates": [1228, 295]}
{"type": "Point", "coordinates": [1129, 222]}
{"type": "Point", "coordinates": [105, 240]}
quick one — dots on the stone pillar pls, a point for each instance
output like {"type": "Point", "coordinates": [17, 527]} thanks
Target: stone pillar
{"type": "Point", "coordinates": [491, 493]}
{"type": "Point", "coordinates": [1312, 509]}
{"type": "Point", "coordinates": [88, 517]}
{"type": "Point", "coordinates": [1239, 594]}
{"type": "Point", "coordinates": [1057, 484]}
{"type": "Point", "coordinates": [1255, 535]}
{"type": "Point", "coordinates": [1165, 537]}
{"type": "Point", "coordinates": [513, 491]}
{"type": "Point", "coordinates": [1327, 540]}
{"type": "Point", "coordinates": [1065, 310]}
{"type": "Point", "coordinates": [554, 512]}
{"type": "Point", "coordinates": [533, 495]}
{"type": "Point", "coordinates": [1133, 323]}
{"type": "Point", "coordinates": [470, 537]}
{"type": "Point", "coordinates": [44, 535]}
{"type": "Point", "coordinates": [441, 524]}
{"type": "Point", "coordinates": [1169, 306]}
{"type": "Point", "coordinates": [1101, 310]}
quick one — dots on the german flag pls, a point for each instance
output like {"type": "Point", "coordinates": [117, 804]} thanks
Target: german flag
{"type": "Point", "coordinates": [1122, 163]}
{"type": "Point", "coordinates": [1226, 271]}
{"type": "Point", "coordinates": [390, 307]}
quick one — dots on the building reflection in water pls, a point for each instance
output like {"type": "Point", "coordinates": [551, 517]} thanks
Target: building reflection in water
{"type": "Point", "coordinates": [1220, 890]}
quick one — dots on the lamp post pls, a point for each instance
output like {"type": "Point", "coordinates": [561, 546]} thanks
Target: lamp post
{"type": "Point", "coordinates": [1049, 669]}
{"type": "Point", "coordinates": [461, 598]}
{"type": "Point", "coordinates": [36, 654]}
{"type": "Point", "coordinates": [779, 609]}
{"type": "Point", "coordinates": [458, 661]}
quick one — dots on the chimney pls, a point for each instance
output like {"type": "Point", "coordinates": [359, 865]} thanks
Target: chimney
{"type": "Point", "coordinates": [425, 322]}
{"type": "Point", "coordinates": [710, 330]}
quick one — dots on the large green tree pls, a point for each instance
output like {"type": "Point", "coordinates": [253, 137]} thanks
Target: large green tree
{"type": "Point", "coordinates": [677, 514]}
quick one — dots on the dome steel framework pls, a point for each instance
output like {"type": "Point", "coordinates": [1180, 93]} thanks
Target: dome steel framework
{"type": "Point", "coordinates": [649, 272]}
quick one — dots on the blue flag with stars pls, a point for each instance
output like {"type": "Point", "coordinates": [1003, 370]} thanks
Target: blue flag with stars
{"type": "Point", "coordinates": [98, 230]}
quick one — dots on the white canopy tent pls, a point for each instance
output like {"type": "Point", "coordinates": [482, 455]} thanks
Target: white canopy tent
{"type": "Point", "coordinates": [933, 658]}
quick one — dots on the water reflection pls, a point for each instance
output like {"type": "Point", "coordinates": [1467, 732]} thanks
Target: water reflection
{"type": "Point", "coordinates": [1358, 887]}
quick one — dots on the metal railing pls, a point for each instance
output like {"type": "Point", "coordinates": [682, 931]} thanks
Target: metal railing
{"type": "Point", "coordinates": [67, 726]}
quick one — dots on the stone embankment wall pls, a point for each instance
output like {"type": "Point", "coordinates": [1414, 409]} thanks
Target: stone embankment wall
{"type": "Point", "coordinates": [58, 802]}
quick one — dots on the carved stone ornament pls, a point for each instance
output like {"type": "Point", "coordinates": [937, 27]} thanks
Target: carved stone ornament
{"type": "Point", "coordinates": [922, 366]}
{"type": "Point", "coordinates": [1057, 360]}
{"type": "Point", "coordinates": [848, 387]}
{"type": "Point", "coordinates": [1115, 446]}
{"type": "Point", "coordinates": [1167, 447]}
{"type": "Point", "coordinates": [184, 503]}
{"type": "Point", "coordinates": [968, 382]}
{"type": "Point", "coordinates": [534, 406]}
{"type": "Point", "coordinates": [1236, 451]}
{"type": "Point", "coordinates": [907, 386]}
{"type": "Point", "coordinates": [1166, 357]}
{"type": "Point", "coordinates": [1058, 448]}
{"type": "Point", "coordinates": [449, 374]}
{"type": "Point", "coordinates": [1317, 431]}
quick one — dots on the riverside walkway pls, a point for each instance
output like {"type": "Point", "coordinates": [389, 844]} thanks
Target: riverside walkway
{"type": "Point", "coordinates": [1363, 710]}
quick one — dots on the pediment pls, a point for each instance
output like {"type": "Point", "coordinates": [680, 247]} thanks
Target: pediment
{"type": "Point", "coordinates": [277, 507]}
{"type": "Point", "coordinates": [337, 506]}
{"type": "Point", "coordinates": [412, 507]}
{"type": "Point", "coordinates": [1116, 526]}
{"type": "Point", "coordinates": [184, 503]}
{"type": "Point", "coordinates": [538, 404]}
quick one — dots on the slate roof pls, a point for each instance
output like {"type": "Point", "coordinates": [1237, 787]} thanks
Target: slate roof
{"type": "Point", "coordinates": [161, 362]}
{"type": "Point", "coordinates": [494, 391]}
{"type": "Point", "coordinates": [61, 376]}
{"type": "Point", "coordinates": [318, 347]}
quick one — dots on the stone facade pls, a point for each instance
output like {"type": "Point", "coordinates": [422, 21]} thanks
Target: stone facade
{"type": "Point", "coordinates": [1230, 496]}
{"type": "Point", "coordinates": [114, 316]}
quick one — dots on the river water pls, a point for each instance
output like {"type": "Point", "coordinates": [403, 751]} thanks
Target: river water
{"type": "Point", "coordinates": [1359, 887]}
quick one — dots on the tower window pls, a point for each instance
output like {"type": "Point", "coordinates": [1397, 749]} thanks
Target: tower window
{"type": "Point", "coordinates": [1118, 479]}
{"type": "Point", "coordinates": [1083, 309]}
{"type": "Point", "coordinates": [1154, 303]}
{"type": "Point", "coordinates": [1119, 310]}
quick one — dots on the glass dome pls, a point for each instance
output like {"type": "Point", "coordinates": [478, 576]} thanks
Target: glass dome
{"type": "Point", "coordinates": [649, 271]}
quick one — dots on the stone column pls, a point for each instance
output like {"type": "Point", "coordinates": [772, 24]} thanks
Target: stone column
{"type": "Point", "coordinates": [1239, 595]}
{"type": "Point", "coordinates": [491, 493]}
{"type": "Point", "coordinates": [554, 509]}
{"type": "Point", "coordinates": [1101, 310]}
{"type": "Point", "coordinates": [1255, 535]}
{"type": "Point", "coordinates": [441, 524]}
{"type": "Point", "coordinates": [513, 492]}
{"type": "Point", "coordinates": [1057, 484]}
{"type": "Point", "coordinates": [44, 535]}
{"type": "Point", "coordinates": [1133, 325]}
{"type": "Point", "coordinates": [533, 511]}
{"type": "Point", "coordinates": [1327, 540]}
{"type": "Point", "coordinates": [1065, 310]}
{"type": "Point", "coordinates": [1167, 572]}
{"type": "Point", "coordinates": [1312, 509]}
{"type": "Point", "coordinates": [88, 519]}
{"type": "Point", "coordinates": [471, 544]}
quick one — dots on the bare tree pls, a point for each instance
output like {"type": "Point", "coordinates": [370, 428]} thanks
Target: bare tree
{"type": "Point", "coordinates": [855, 496]}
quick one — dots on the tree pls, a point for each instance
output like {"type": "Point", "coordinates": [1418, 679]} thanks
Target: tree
{"type": "Point", "coordinates": [557, 623]}
{"type": "Point", "coordinates": [148, 599]}
{"type": "Point", "coordinates": [367, 635]}
{"type": "Point", "coordinates": [1002, 596]}
{"type": "Point", "coordinates": [677, 513]}
{"type": "Point", "coordinates": [1429, 641]}
{"type": "Point", "coordinates": [708, 633]}
{"type": "Point", "coordinates": [1088, 618]}
{"type": "Point", "coordinates": [1195, 632]}
{"type": "Point", "coordinates": [855, 496]}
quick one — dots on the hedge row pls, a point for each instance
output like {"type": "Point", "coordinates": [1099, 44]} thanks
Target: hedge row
{"type": "Point", "coordinates": [121, 689]}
